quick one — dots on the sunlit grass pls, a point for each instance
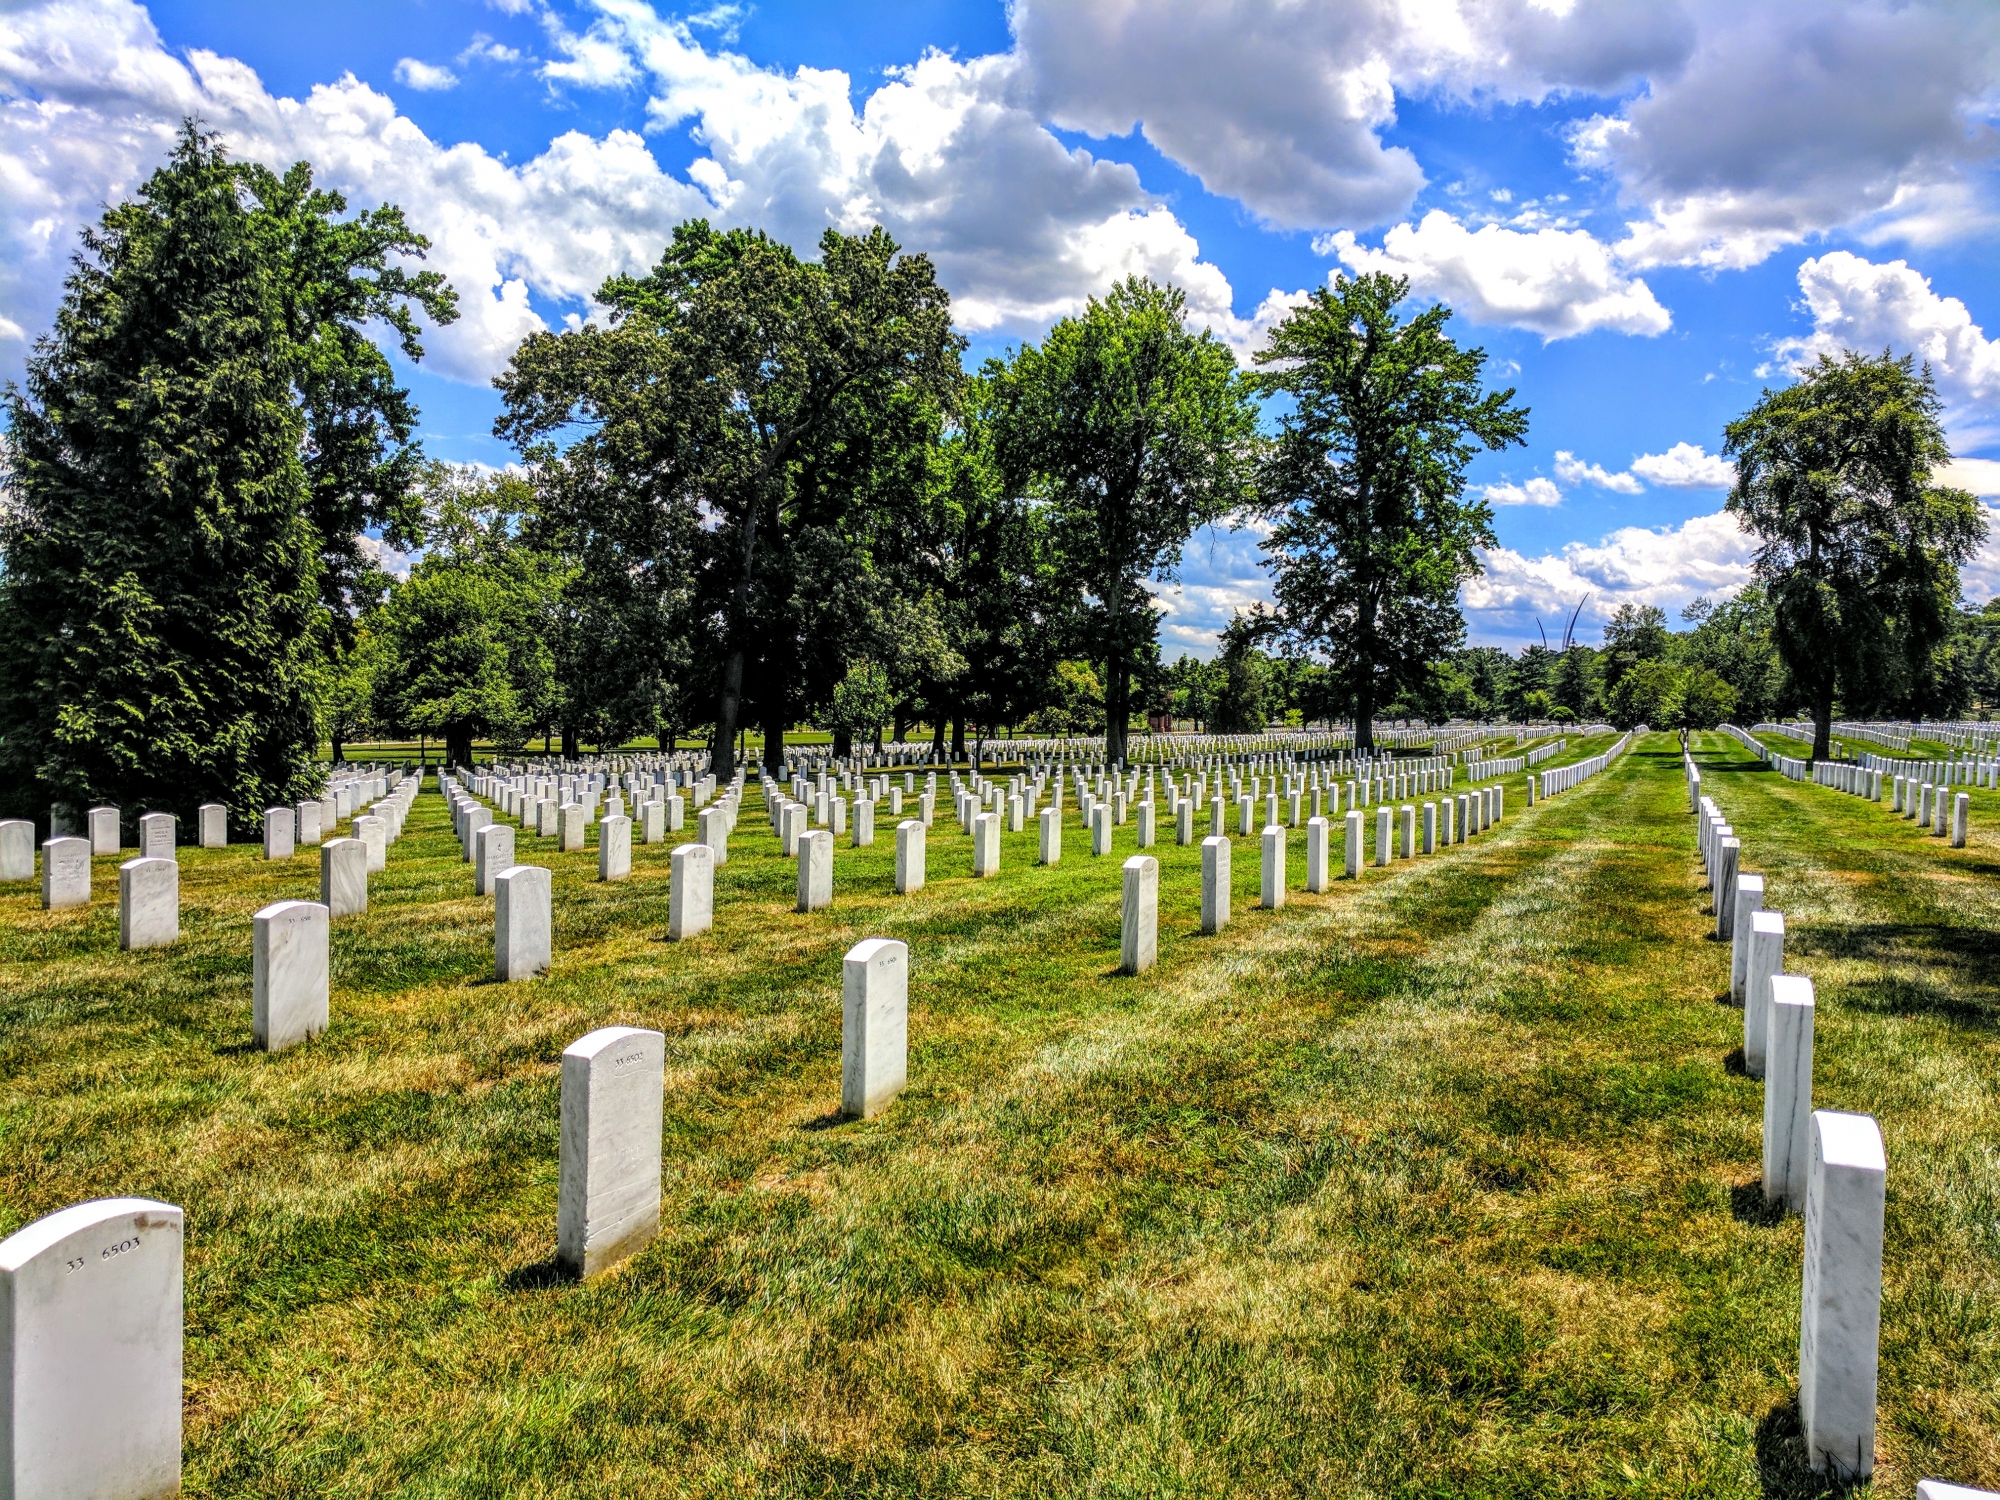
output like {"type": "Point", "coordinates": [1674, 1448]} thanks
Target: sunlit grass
{"type": "Point", "coordinates": [1439, 1184]}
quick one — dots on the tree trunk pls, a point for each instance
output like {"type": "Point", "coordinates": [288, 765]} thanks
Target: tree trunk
{"type": "Point", "coordinates": [1823, 720]}
{"type": "Point", "coordinates": [843, 742]}
{"type": "Point", "coordinates": [774, 735]}
{"type": "Point", "coordinates": [458, 744]}
{"type": "Point", "coordinates": [958, 735]}
{"type": "Point", "coordinates": [1364, 712]}
{"type": "Point", "coordinates": [1117, 709]}
{"type": "Point", "coordinates": [900, 724]}
{"type": "Point", "coordinates": [569, 748]}
{"type": "Point", "coordinates": [336, 747]}
{"type": "Point", "coordinates": [728, 702]}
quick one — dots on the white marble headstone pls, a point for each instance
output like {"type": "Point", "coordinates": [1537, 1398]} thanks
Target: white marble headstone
{"type": "Point", "coordinates": [1841, 1295]}
{"type": "Point", "coordinates": [90, 1352]}
{"type": "Point", "coordinates": [149, 903]}
{"type": "Point", "coordinates": [65, 872]}
{"type": "Point", "coordinates": [613, 1108]}
{"type": "Point", "coordinates": [289, 974]}
{"type": "Point", "coordinates": [874, 1026]}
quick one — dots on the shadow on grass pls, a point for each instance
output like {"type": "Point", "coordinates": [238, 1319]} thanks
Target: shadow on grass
{"type": "Point", "coordinates": [827, 1121]}
{"type": "Point", "coordinates": [1748, 1205]}
{"type": "Point", "coordinates": [1782, 1470]}
{"type": "Point", "coordinates": [1961, 978]}
{"type": "Point", "coordinates": [542, 1276]}
{"type": "Point", "coordinates": [1733, 1063]}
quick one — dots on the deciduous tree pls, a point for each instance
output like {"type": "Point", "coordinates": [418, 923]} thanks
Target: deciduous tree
{"type": "Point", "coordinates": [1858, 550]}
{"type": "Point", "coordinates": [1372, 532]}
{"type": "Point", "coordinates": [1132, 431]}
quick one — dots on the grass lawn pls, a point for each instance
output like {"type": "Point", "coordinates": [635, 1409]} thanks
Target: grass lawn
{"type": "Point", "coordinates": [1441, 1184]}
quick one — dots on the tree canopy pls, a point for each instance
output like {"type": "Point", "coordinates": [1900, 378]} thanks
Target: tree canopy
{"type": "Point", "coordinates": [746, 412]}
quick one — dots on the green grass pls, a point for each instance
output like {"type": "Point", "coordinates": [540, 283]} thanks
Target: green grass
{"type": "Point", "coordinates": [1441, 1184]}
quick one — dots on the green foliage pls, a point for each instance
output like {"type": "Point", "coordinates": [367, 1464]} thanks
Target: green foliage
{"type": "Point", "coordinates": [1635, 633]}
{"type": "Point", "coordinates": [1705, 700]}
{"type": "Point", "coordinates": [467, 647]}
{"type": "Point", "coordinates": [1372, 532]}
{"type": "Point", "coordinates": [1648, 693]}
{"type": "Point", "coordinates": [864, 700]}
{"type": "Point", "coordinates": [464, 647]}
{"type": "Point", "coordinates": [1244, 679]}
{"type": "Point", "coordinates": [1074, 703]}
{"type": "Point", "coordinates": [749, 421]}
{"type": "Point", "coordinates": [1734, 641]}
{"type": "Point", "coordinates": [971, 614]}
{"type": "Point", "coordinates": [1858, 551]}
{"type": "Point", "coordinates": [203, 432]}
{"type": "Point", "coordinates": [1131, 432]}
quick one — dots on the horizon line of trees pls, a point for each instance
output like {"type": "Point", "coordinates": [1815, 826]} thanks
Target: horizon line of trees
{"type": "Point", "coordinates": [766, 492]}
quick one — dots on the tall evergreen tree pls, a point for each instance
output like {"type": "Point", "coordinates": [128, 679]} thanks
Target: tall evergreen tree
{"type": "Point", "coordinates": [1372, 532]}
{"type": "Point", "coordinates": [200, 436]}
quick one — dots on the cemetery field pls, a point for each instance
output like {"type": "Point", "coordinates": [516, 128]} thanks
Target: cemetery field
{"type": "Point", "coordinates": [1443, 1183]}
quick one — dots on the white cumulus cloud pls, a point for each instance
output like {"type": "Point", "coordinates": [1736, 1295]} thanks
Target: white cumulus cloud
{"type": "Point", "coordinates": [944, 154]}
{"type": "Point", "coordinates": [1860, 305]}
{"type": "Point", "coordinates": [1685, 466]}
{"type": "Point", "coordinates": [1572, 470]}
{"type": "Point", "coordinates": [1555, 282]}
{"type": "Point", "coordinates": [1537, 491]}
{"type": "Point", "coordinates": [1788, 120]}
{"type": "Point", "coordinates": [424, 76]}
{"type": "Point", "coordinates": [1670, 567]}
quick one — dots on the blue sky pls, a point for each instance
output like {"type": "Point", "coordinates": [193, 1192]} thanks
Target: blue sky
{"type": "Point", "coordinates": [1645, 210]}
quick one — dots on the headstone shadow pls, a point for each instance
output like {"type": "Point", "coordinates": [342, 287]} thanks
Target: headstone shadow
{"type": "Point", "coordinates": [1783, 1472]}
{"type": "Point", "coordinates": [1748, 1205]}
{"type": "Point", "coordinates": [538, 1277]}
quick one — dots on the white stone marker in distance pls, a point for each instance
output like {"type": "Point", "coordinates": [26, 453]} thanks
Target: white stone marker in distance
{"type": "Point", "coordinates": [90, 1352]}
{"type": "Point", "coordinates": [815, 884]}
{"type": "Point", "coordinates": [909, 856]}
{"type": "Point", "coordinates": [874, 1026]}
{"type": "Point", "coordinates": [1765, 959]}
{"type": "Point", "coordinates": [1214, 883]}
{"type": "Point", "coordinates": [492, 852]}
{"type": "Point", "coordinates": [149, 903]}
{"type": "Point", "coordinates": [523, 921]}
{"type": "Point", "coordinates": [1318, 851]}
{"type": "Point", "coordinates": [1749, 898]}
{"type": "Point", "coordinates": [691, 891]}
{"type": "Point", "coordinates": [1271, 868]}
{"type": "Point", "coordinates": [17, 849]}
{"type": "Point", "coordinates": [613, 1107]}
{"type": "Point", "coordinates": [614, 847]}
{"type": "Point", "coordinates": [1049, 821]}
{"type": "Point", "coordinates": [343, 877]}
{"type": "Point", "coordinates": [985, 844]}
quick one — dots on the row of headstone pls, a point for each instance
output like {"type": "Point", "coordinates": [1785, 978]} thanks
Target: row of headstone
{"type": "Point", "coordinates": [1827, 1164]}
{"type": "Point", "coordinates": [1563, 778]}
{"type": "Point", "coordinates": [1913, 789]}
